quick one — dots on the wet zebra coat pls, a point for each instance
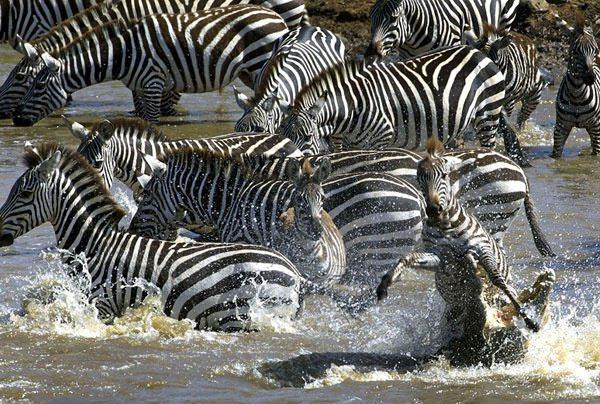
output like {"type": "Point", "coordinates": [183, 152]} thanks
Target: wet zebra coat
{"type": "Point", "coordinates": [355, 201]}
{"type": "Point", "coordinates": [160, 54]}
{"type": "Point", "coordinates": [578, 98]}
{"type": "Point", "coordinates": [286, 215]}
{"type": "Point", "coordinates": [489, 185]}
{"type": "Point", "coordinates": [300, 56]}
{"type": "Point", "coordinates": [418, 26]}
{"type": "Point", "coordinates": [30, 18]}
{"type": "Point", "coordinates": [216, 285]}
{"type": "Point", "coordinates": [116, 147]}
{"type": "Point", "coordinates": [401, 104]}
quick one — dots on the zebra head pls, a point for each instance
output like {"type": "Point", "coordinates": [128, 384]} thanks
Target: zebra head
{"type": "Point", "coordinates": [29, 203]}
{"type": "Point", "coordinates": [260, 115]}
{"type": "Point", "coordinates": [20, 77]}
{"type": "Point", "coordinates": [582, 55]}
{"type": "Point", "coordinates": [433, 176]}
{"type": "Point", "coordinates": [158, 211]}
{"type": "Point", "coordinates": [46, 94]}
{"type": "Point", "coordinates": [95, 146]}
{"type": "Point", "coordinates": [302, 128]}
{"type": "Point", "coordinates": [310, 238]}
{"type": "Point", "coordinates": [390, 27]}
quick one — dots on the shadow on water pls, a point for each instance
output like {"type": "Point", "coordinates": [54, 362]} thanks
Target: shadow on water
{"type": "Point", "coordinates": [305, 369]}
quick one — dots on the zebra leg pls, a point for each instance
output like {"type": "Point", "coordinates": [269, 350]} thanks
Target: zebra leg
{"type": "Point", "coordinates": [169, 102]}
{"type": "Point", "coordinates": [428, 261]}
{"type": "Point", "coordinates": [490, 265]}
{"type": "Point", "coordinates": [530, 103]}
{"type": "Point", "coordinates": [594, 134]}
{"type": "Point", "coordinates": [561, 133]}
{"type": "Point", "coordinates": [509, 107]}
{"type": "Point", "coordinates": [511, 143]}
{"type": "Point", "coordinates": [148, 105]}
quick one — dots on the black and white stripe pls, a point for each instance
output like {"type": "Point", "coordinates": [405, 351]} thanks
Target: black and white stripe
{"type": "Point", "coordinates": [158, 55]}
{"type": "Point", "coordinates": [470, 267]}
{"type": "Point", "coordinates": [116, 147]}
{"type": "Point", "coordinates": [383, 105]}
{"type": "Point", "coordinates": [355, 201]}
{"type": "Point", "coordinates": [219, 286]}
{"type": "Point", "coordinates": [516, 56]}
{"type": "Point", "coordinates": [213, 190]}
{"type": "Point", "coordinates": [418, 26]}
{"type": "Point", "coordinates": [578, 98]}
{"type": "Point", "coordinates": [300, 56]}
{"type": "Point", "coordinates": [31, 18]}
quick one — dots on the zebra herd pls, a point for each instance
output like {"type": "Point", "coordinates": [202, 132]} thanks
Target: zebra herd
{"type": "Point", "coordinates": [320, 189]}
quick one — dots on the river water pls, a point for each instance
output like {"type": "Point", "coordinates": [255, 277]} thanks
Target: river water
{"type": "Point", "coordinates": [60, 350]}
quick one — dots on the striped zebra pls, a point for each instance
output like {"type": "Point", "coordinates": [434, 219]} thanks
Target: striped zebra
{"type": "Point", "coordinates": [218, 286]}
{"type": "Point", "coordinates": [19, 79]}
{"type": "Point", "coordinates": [578, 98]}
{"type": "Point", "coordinates": [516, 56]}
{"type": "Point", "coordinates": [383, 105]}
{"type": "Point", "coordinates": [418, 26]}
{"type": "Point", "coordinates": [300, 56]}
{"type": "Point", "coordinates": [242, 206]}
{"type": "Point", "coordinates": [117, 147]}
{"type": "Point", "coordinates": [470, 268]}
{"type": "Point", "coordinates": [32, 18]}
{"type": "Point", "coordinates": [379, 215]}
{"type": "Point", "coordinates": [160, 54]}
{"type": "Point", "coordinates": [490, 186]}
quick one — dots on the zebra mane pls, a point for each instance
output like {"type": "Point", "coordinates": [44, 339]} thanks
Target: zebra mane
{"type": "Point", "coordinates": [110, 29]}
{"type": "Point", "coordinates": [143, 128]}
{"type": "Point", "coordinates": [35, 156]}
{"type": "Point", "coordinates": [435, 148]}
{"type": "Point", "coordinates": [342, 69]}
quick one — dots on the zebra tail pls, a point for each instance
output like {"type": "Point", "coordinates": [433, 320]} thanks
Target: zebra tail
{"type": "Point", "coordinates": [538, 236]}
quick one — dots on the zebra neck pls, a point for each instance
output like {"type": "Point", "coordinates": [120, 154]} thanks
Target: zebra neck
{"type": "Point", "coordinates": [85, 213]}
{"type": "Point", "coordinates": [58, 11]}
{"type": "Point", "coordinates": [125, 147]}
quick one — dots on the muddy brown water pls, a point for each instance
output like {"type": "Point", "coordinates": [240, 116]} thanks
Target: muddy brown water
{"type": "Point", "coordinates": [60, 350]}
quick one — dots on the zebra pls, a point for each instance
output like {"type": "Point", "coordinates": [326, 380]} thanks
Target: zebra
{"type": "Point", "coordinates": [383, 105]}
{"type": "Point", "coordinates": [30, 18]}
{"type": "Point", "coordinates": [299, 56]}
{"type": "Point", "coordinates": [355, 201]}
{"type": "Point", "coordinates": [577, 101]}
{"type": "Point", "coordinates": [287, 216]}
{"type": "Point", "coordinates": [215, 285]}
{"type": "Point", "coordinates": [20, 78]}
{"type": "Point", "coordinates": [489, 185]}
{"type": "Point", "coordinates": [516, 56]}
{"type": "Point", "coordinates": [117, 147]}
{"type": "Point", "coordinates": [418, 26]}
{"type": "Point", "coordinates": [470, 269]}
{"type": "Point", "coordinates": [162, 53]}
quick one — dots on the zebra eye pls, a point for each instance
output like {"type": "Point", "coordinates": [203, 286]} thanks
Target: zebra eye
{"type": "Point", "coordinates": [26, 193]}
{"type": "Point", "coordinates": [40, 84]}
{"type": "Point", "coordinates": [20, 76]}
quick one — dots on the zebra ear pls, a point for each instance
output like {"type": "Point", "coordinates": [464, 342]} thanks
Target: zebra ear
{"type": "Point", "coordinates": [243, 101]}
{"type": "Point", "coordinates": [51, 63]}
{"type": "Point", "coordinates": [318, 105]}
{"type": "Point", "coordinates": [158, 167]}
{"type": "Point", "coordinates": [322, 170]}
{"type": "Point", "coordinates": [106, 129]}
{"type": "Point", "coordinates": [468, 36]}
{"type": "Point", "coordinates": [293, 170]}
{"type": "Point", "coordinates": [143, 180]}
{"type": "Point", "coordinates": [28, 147]}
{"type": "Point", "coordinates": [77, 129]}
{"type": "Point", "coordinates": [47, 167]}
